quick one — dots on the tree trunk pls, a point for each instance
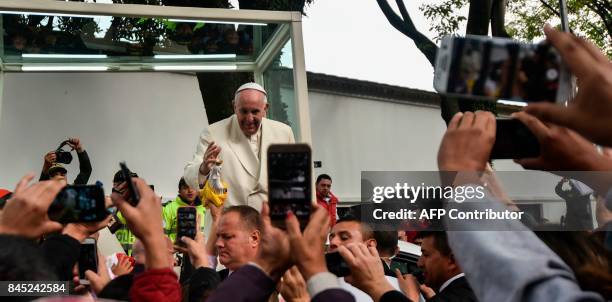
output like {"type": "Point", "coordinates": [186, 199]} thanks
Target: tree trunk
{"type": "Point", "coordinates": [478, 17]}
{"type": "Point", "coordinates": [498, 19]}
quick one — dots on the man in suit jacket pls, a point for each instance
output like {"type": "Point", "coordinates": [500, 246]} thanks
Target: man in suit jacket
{"type": "Point", "coordinates": [440, 270]}
{"type": "Point", "coordinates": [241, 141]}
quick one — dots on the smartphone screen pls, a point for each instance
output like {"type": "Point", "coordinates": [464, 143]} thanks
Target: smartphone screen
{"type": "Point", "coordinates": [186, 222]}
{"type": "Point", "coordinates": [289, 182]}
{"type": "Point", "coordinates": [88, 259]}
{"type": "Point", "coordinates": [336, 264]}
{"type": "Point", "coordinates": [79, 203]}
{"type": "Point", "coordinates": [498, 68]}
{"type": "Point", "coordinates": [514, 140]}
{"type": "Point", "coordinates": [134, 196]}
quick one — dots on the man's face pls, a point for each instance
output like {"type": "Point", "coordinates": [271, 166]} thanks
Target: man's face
{"type": "Point", "coordinates": [250, 108]}
{"type": "Point", "coordinates": [187, 193]}
{"type": "Point", "coordinates": [236, 245]}
{"type": "Point", "coordinates": [344, 233]}
{"type": "Point", "coordinates": [324, 187]}
{"type": "Point", "coordinates": [59, 176]}
{"type": "Point", "coordinates": [434, 265]}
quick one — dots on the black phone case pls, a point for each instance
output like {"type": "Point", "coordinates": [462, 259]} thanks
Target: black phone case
{"type": "Point", "coordinates": [514, 140]}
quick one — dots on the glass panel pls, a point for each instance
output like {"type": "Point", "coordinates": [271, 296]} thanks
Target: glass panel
{"type": "Point", "coordinates": [278, 81]}
{"type": "Point", "coordinates": [121, 41]}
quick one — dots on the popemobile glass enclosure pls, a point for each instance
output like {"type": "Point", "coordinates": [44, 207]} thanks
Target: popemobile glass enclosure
{"type": "Point", "coordinates": [58, 36]}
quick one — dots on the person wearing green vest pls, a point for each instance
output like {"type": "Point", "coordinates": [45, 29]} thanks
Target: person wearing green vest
{"type": "Point", "coordinates": [124, 235]}
{"type": "Point", "coordinates": [187, 197]}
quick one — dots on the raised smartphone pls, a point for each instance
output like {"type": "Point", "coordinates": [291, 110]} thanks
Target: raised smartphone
{"type": "Point", "coordinates": [498, 68]}
{"type": "Point", "coordinates": [88, 259]}
{"type": "Point", "coordinates": [78, 203]}
{"type": "Point", "coordinates": [513, 140]}
{"type": "Point", "coordinates": [289, 182]}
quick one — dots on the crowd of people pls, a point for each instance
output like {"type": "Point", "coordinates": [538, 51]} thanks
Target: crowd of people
{"type": "Point", "coordinates": [245, 257]}
{"type": "Point", "coordinates": [62, 35]}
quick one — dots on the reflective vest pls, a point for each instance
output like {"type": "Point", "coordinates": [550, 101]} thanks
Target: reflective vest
{"type": "Point", "coordinates": [169, 215]}
{"type": "Point", "coordinates": [124, 235]}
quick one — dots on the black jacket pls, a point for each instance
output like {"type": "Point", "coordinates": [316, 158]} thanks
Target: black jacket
{"type": "Point", "coordinates": [61, 252]}
{"type": "Point", "coordinates": [457, 291]}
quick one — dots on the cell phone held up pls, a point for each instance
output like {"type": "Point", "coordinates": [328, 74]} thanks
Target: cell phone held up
{"type": "Point", "coordinates": [133, 194]}
{"type": "Point", "coordinates": [513, 140]}
{"type": "Point", "coordinates": [186, 223]}
{"type": "Point", "coordinates": [289, 182]}
{"type": "Point", "coordinates": [336, 264]}
{"type": "Point", "coordinates": [79, 203]}
{"type": "Point", "coordinates": [481, 67]}
{"type": "Point", "coordinates": [88, 259]}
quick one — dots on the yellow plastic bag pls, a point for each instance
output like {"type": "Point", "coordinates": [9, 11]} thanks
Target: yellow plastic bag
{"type": "Point", "coordinates": [215, 190]}
{"type": "Point", "coordinates": [208, 193]}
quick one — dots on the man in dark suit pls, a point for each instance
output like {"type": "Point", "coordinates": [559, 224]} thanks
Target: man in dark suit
{"type": "Point", "coordinates": [441, 271]}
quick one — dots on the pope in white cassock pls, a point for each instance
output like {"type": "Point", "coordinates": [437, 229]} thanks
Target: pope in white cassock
{"type": "Point", "coordinates": [241, 142]}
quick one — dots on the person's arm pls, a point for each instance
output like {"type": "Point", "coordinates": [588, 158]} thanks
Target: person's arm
{"type": "Point", "coordinates": [84, 168]}
{"type": "Point", "coordinates": [26, 213]}
{"type": "Point", "coordinates": [84, 163]}
{"type": "Point", "coordinates": [590, 110]}
{"type": "Point", "coordinates": [249, 283]}
{"type": "Point", "coordinates": [158, 282]}
{"type": "Point", "coordinates": [502, 259]}
{"type": "Point", "coordinates": [367, 272]}
{"type": "Point", "coordinates": [206, 154]}
{"type": "Point", "coordinates": [215, 214]}
{"type": "Point", "coordinates": [49, 159]}
{"type": "Point", "coordinates": [525, 269]}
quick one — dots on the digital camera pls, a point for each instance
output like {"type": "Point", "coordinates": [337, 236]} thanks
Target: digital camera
{"type": "Point", "coordinates": [62, 156]}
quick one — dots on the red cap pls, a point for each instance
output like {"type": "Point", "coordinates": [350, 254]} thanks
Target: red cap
{"type": "Point", "coordinates": [4, 192]}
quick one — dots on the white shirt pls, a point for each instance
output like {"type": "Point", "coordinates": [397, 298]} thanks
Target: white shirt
{"type": "Point", "coordinates": [255, 142]}
{"type": "Point", "coordinates": [449, 281]}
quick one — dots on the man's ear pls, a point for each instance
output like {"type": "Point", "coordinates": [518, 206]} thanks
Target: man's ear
{"type": "Point", "coordinates": [266, 107]}
{"type": "Point", "coordinates": [452, 264]}
{"type": "Point", "coordinates": [255, 237]}
{"type": "Point", "coordinates": [370, 242]}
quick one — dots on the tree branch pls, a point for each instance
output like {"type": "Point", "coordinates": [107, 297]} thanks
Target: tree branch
{"type": "Point", "coordinates": [426, 46]}
{"type": "Point", "coordinates": [604, 13]}
{"type": "Point", "coordinates": [550, 8]}
{"type": "Point", "coordinates": [405, 15]}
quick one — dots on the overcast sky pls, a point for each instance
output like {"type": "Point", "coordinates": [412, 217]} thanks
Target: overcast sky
{"type": "Point", "coordinates": [352, 38]}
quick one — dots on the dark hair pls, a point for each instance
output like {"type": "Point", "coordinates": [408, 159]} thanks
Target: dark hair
{"type": "Point", "coordinates": [587, 257]}
{"type": "Point", "coordinates": [20, 259]}
{"type": "Point", "coordinates": [323, 176]}
{"type": "Point", "coordinates": [248, 215]}
{"type": "Point", "coordinates": [386, 242]}
{"type": "Point", "coordinates": [119, 176]}
{"type": "Point", "coordinates": [182, 183]}
{"type": "Point", "coordinates": [366, 230]}
{"type": "Point", "coordinates": [440, 241]}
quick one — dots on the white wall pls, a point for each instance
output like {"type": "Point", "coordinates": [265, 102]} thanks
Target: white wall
{"type": "Point", "coordinates": [351, 135]}
{"type": "Point", "coordinates": [150, 120]}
